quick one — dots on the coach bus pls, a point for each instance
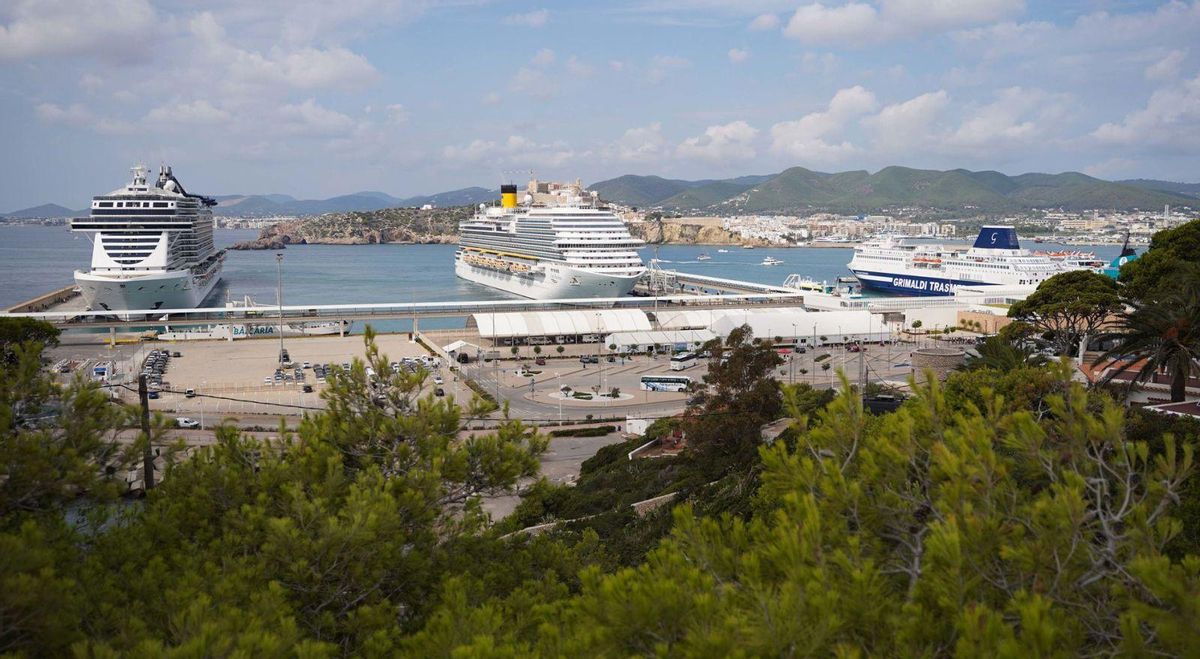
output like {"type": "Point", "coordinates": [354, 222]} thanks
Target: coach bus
{"type": "Point", "coordinates": [674, 383]}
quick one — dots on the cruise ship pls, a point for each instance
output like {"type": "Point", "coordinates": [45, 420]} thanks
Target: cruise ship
{"type": "Point", "coordinates": [558, 243]}
{"type": "Point", "coordinates": [893, 266]}
{"type": "Point", "coordinates": [152, 247]}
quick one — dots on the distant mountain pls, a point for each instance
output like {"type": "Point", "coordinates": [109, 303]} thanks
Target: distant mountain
{"type": "Point", "coordinates": [45, 211]}
{"type": "Point", "coordinates": [798, 189]}
{"type": "Point", "coordinates": [268, 205]}
{"type": "Point", "coordinates": [1189, 189]}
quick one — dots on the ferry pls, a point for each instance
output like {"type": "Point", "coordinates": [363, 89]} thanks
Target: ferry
{"type": "Point", "coordinates": [892, 266]}
{"type": "Point", "coordinates": [558, 243]}
{"type": "Point", "coordinates": [770, 260]}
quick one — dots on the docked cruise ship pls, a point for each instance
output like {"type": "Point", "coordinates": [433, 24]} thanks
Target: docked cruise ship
{"type": "Point", "coordinates": [996, 258]}
{"type": "Point", "coordinates": [557, 244]}
{"type": "Point", "coordinates": [152, 247]}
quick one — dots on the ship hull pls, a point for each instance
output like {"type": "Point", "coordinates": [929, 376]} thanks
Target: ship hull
{"type": "Point", "coordinates": [909, 284]}
{"type": "Point", "coordinates": [167, 290]}
{"type": "Point", "coordinates": [557, 283]}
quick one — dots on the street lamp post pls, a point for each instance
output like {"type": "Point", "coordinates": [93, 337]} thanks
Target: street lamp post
{"type": "Point", "coordinates": [279, 296]}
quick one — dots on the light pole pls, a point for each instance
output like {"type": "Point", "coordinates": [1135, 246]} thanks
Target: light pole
{"type": "Point", "coordinates": [279, 298]}
{"type": "Point", "coordinates": [795, 351]}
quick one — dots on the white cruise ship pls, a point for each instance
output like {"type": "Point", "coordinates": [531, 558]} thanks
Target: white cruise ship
{"type": "Point", "coordinates": [996, 258]}
{"type": "Point", "coordinates": [557, 244]}
{"type": "Point", "coordinates": [152, 247]}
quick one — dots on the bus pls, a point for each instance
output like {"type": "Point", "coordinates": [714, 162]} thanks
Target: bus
{"type": "Point", "coordinates": [673, 383]}
{"type": "Point", "coordinates": [683, 360]}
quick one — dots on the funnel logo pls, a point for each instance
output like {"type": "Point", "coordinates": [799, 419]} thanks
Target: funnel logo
{"type": "Point", "coordinates": [993, 237]}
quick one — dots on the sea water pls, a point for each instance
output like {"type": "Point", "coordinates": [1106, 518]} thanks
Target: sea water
{"type": "Point", "coordinates": [37, 259]}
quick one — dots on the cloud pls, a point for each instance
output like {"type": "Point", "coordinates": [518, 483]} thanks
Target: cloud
{"type": "Point", "coordinates": [1167, 67]}
{"type": "Point", "coordinates": [113, 29]}
{"type": "Point", "coordinates": [901, 126]}
{"type": "Point", "coordinates": [492, 98]}
{"type": "Point", "coordinates": [732, 141]}
{"type": "Point", "coordinates": [533, 82]}
{"type": "Point", "coordinates": [642, 144]}
{"type": "Point", "coordinates": [764, 22]}
{"type": "Point", "coordinates": [817, 136]}
{"type": "Point", "coordinates": [738, 55]}
{"type": "Point", "coordinates": [303, 68]}
{"type": "Point", "coordinates": [1017, 117]}
{"type": "Point", "coordinates": [79, 116]}
{"type": "Point", "coordinates": [199, 112]}
{"type": "Point", "coordinates": [857, 24]}
{"type": "Point", "coordinates": [818, 63]}
{"type": "Point", "coordinates": [396, 114]}
{"type": "Point", "coordinates": [579, 68]}
{"type": "Point", "coordinates": [543, 58]}
{"type": "Point", "coordinates": [662, 66]}
{"type": "Point", "coordinates": [1170, 118]}
{"type": "Point", "coordinates": [516, 150]}
{"type": "Point", "coordinates": [537, 18]}
{"type": "Point", "coordinates": [311, 119]}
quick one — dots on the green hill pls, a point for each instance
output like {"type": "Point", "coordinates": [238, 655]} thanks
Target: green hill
{"type": "Point", "coordinates": [798, 189]}
{"type": "Point", "coordinates": [1189, 189]}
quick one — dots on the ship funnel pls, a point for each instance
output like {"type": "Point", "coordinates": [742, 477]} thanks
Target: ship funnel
{"type": "Point", "coordinates": [508, 195]}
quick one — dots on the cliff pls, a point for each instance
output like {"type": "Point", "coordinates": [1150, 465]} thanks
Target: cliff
{"type": "Point", "coordinates": [390, 225]}
{"type": "Point", "coordinates": [683, 233]}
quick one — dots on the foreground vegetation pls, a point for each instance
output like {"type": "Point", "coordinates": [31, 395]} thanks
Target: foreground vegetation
{"type": "Point", "coordinates": [1009, 511]}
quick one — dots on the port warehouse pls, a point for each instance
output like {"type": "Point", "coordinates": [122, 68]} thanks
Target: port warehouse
{"type": "Point", "coordinates": [634, 329]}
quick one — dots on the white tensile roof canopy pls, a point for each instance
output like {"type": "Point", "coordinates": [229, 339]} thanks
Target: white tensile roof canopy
{"type": "Point", "coordinates": [560, 323]}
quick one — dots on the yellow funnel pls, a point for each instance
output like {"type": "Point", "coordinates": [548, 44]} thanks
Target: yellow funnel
{"type": "Point", "coordinates": [508, 196]}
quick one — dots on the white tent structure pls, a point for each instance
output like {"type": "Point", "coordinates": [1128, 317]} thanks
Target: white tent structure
{"type": "Point", "coordinates": [554, 324]}
{"type": "Point", "coordinates": [689, 318]}
{"type": "Point", "coordinates": [689, 339]}
{"type": "Point", "coordinates": [809, 327]}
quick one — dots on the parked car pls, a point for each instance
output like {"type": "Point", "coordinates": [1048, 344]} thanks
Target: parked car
{"type": "Point", "coordinates": [176, 354]}
{"type": "Point", "coordinates": [190, 393]}
{"type": "Point", "coordinates": [439, 392]}
{"type": "Point", "coordinates": [437, 380]}
{"type": "Point", "coordinates": [153, 395]}
{"type": "Point", "coordinates": [185, 422]}
{"type": "Point", "coordinates": [540, 361]}
{"type": "Point", "coordinates": [307, 365]}
{"type": "Point", "coordinates": [307, 389]}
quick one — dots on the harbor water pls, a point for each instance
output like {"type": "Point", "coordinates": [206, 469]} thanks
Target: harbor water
{"type": "Point", "coordinates": [37, 259]}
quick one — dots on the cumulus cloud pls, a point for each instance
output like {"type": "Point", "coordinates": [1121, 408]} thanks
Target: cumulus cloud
{"type": "Point", "coordinates": [738, 55]}
{"type": "Point", "coordinates": [731, 141]}
{"type": "Point", "coordinates": [579, 68]}
{"type": "Point", "coordinates": [639, 145]}
{"type": "Point", "coordinates": [818, 63]}
{"type": "Point", "coordinates": [901, 126]}
{"type": "Point", "coordinates": [396, 114]}
{"type": "Point", "coordinates": [817, 136]}
{"type": "Point", "coordinates": [1167, 67]}
{"type": "Point", "coordinates": [537, 18]}
{"type": "Point", "coordinates": [544, 57]}
{"type": "Point", "coordinates": [533, 82]}
{"type": "Point", "coordinates": [1171, 117]}
{"type": "Point", "coordinates": [662, 66]}
{"type": "Point", "coordinates": [311, 119]}
{"type": "Point", "coordinates": [115, 29]}
{"type": "Point", "coordinates": [859, 24]}
{"type": "Point", "coordinates": [199, 112]}
{"type": "Point", "coordinates": [79, 116]}
{"type": "Point", "coordinates": [764, 22]}
{"type": "Point", "coordinates": [301, 68]}
{"type": "Point", "coordinates": [516, 150]}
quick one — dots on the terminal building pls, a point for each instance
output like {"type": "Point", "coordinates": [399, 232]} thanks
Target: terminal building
{"type": "Point", "coordinates": [635, 330]}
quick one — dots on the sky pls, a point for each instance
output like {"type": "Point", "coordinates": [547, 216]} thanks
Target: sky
{"type": "Point", "coordinates": [316, 98]}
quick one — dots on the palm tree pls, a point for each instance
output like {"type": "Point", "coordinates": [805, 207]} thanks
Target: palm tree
{"type": "Point", "coordinates": [996, 353]}
{"type": "Point", "coordinates": [1164, 335]}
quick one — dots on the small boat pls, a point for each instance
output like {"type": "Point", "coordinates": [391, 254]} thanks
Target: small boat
{"type": "Point", "coordinates": [722, 251]}
{"type": "Point", "coordinates": [747, 246]}
{"type": "Point", "coordinates": [770, 260]}
{"type": "Point", "coordinates": [704, 257]}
